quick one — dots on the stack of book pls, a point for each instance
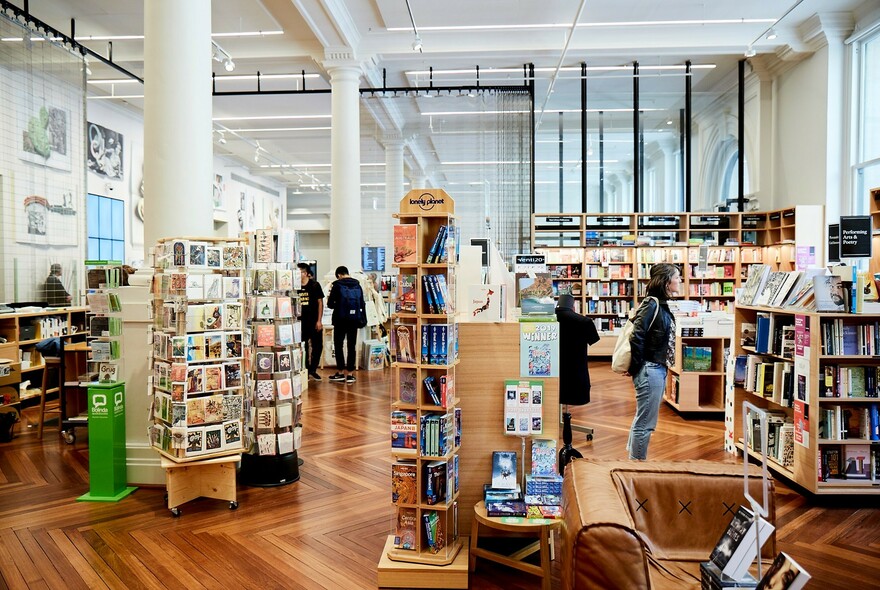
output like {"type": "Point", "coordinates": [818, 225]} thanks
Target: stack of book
{"type": "Point", "coordinates": [543, 496]}
{"type": "Point", "coordinates": [503, 497]}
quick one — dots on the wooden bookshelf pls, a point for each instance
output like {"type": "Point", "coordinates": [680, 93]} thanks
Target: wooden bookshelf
{"type": "Point", "coordinates": [606, 266]}
{"type": "Point", "coordinates": [22, 332]}
{"type": "Point", "coordinates": [809, 460]}
{"type": "Point", "coordinates": [417, 357]}
{"type": "Point", "coordinates": [697, 390]}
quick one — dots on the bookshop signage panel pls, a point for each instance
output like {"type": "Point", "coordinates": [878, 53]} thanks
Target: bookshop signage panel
{"type": "Point", "coordinates": [834, 242]}
{"type": "Point", "coordinates": [855, 236]}
{"type": "Point", "coordinates": [427, 201]}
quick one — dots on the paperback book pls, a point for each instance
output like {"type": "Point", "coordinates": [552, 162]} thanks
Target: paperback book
{"type": "Point", "coordinates": [737, 549]}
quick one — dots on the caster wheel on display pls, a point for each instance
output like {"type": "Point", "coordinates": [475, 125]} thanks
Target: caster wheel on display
{"type": "Point", "coordinates": [589, 437]}
{"type": "Point", "coordinates": [175, 512]}
{"type": "Point", "coordinates": [68, 436]}
{"type": "Point", "coordinates": [233, 505]}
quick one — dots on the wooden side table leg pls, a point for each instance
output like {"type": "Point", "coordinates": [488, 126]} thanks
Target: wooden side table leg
{"type": "Point", "coordinates": [545, 557]}
{"type": "Point", "coordinates": [472, 558]}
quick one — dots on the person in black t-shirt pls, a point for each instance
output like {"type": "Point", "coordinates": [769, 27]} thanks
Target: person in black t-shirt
{"type": "Point", "coordinates": [311, 297]}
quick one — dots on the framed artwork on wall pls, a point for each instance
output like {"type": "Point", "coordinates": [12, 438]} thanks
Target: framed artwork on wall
{"type": "Point", "coordinates": [49, 220]}
{"type": "Point", "coordinates": [104, 151]}
{"type": "Point", "coordinates": [45, 136]}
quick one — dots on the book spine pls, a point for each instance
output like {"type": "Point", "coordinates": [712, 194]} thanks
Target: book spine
{"type": "Point", "coordinates": [433, 253]}
{"type": "Point", "coordinates": [439, 304]}
{"type": "Point", "coordinates": [429, 295]}
{"type": "Point", "coordinates": [426, 344]}
{"type": "Point", "coordinates": [434, 352]}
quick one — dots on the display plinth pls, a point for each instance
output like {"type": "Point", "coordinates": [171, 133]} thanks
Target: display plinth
{"type": "Point", "coordinates": [107, 476]}
{"type": "Point", "coordinates": [266, 471]}
{"type": "Point", "coordinates": [399, 574]}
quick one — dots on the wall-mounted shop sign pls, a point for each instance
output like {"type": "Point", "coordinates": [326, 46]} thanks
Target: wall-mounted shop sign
{"type": "Point", "coordinates": [833, 242]}
{"type": "Point", "coordinates": [530, 263]}
{"type": "Point", "coordinates": [434, 200]}
{"type": "Point", "coordinates": [855, 236]}
{"type": "Point", "coordinates": [373, 258]}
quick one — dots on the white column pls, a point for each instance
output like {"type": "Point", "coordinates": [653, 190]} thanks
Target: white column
{"type": "Point", "coordinates": [345, 166]}
{"type": "Point", "coordinates": [419, 180]}
{"type": "Point", "coordinates": [178, 153]}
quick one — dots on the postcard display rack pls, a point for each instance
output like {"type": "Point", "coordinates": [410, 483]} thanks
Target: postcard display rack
{"type": "Point", "coordinates": [822, 396]}
{"type": "Point", "coordinates": [198, 348]}
{"type": "Point", "coordinates": [425, 416]}
{"type": "Point", "coordinates": [273, 373]}
{"type": "Point", "coordinates": [104, 321]}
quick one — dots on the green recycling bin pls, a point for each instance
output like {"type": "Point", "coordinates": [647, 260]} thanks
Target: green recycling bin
{"type": "Point", "coordinates": [107, 476]}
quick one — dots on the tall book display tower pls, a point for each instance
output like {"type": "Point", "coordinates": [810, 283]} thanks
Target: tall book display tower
{"type": "Point", "coordinates": [273, 363]}
{"type": "Point", "coordinates": [425, 413]}
{"type": "Point", "coordinates": [198, 349]}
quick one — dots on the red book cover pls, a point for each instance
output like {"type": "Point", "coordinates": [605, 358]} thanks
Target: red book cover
{"type": "Point", "coordinates": [405, 237]}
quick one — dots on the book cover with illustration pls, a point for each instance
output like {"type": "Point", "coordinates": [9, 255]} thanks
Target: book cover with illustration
{"type": "Point", "coordinates": [408, 385]}
{"type": "Point", "coordinates": [405, 531]}
{"type": "Point", "coordinates": [784, 574]}
{"type": "Point", "coordinates": [406, 294]}
{"type": "Point", "coordinates": [404, 429]}
{"type": "Point", "coordinates": [536, 294]}
{"type": "Point", "coordinates": [403, 483]}
{"type": "Point", "coordinates": [504, 472]}
{"type": "Point", "coordinates": [405, 243]}
{"type": "Point", "coordinates": [736, 549]}
{"type": "Point", "coordinates": [828, 293]}
{"type": "Point", "coordinates": [543, 456]}
{"type": "Point", "coordinates": [403, 337]}
{"type": "Point", "coordinates": [486, 303]}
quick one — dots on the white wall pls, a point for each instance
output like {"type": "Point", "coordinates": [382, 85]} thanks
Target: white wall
{"type": "Point", "coordinates": [128, 188]}
{"type": "Point", "coordinates": [800, 149]}
{"type": "Point", "coordinates": [263, 199]}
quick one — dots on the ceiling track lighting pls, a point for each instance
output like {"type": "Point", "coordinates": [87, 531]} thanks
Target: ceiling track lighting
{"type": "Point", "coordinates": [220, 55]}
{"type": "Point", "coordinates": [417, 42]}
{"type": "Point", "coordinates": [770, 32]}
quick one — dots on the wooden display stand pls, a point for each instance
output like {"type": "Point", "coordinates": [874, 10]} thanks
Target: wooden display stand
{"type": "Point", "coordinates": [697, 391]}
{"type": "Point", "coordinates": [401, 574]}
{"type": "Point", "coordinates": [490, 355]}
{"type": "Point", "coordinates": [517, 525]}
{"type": "Point", "coordinates": [430, 211]}
{"type": "Point", "coordinates": [208, 478]}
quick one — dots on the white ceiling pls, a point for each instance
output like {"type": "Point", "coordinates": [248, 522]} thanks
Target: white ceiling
{"type": "Point", "coordinates": [455, 34]}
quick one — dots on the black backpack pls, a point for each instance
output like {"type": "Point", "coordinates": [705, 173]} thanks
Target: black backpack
{"type": "Point", "coordinates": [351, 305]}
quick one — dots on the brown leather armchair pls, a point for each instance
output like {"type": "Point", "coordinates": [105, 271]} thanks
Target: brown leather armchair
{"type": "Point", "coordinates": [635, 525]}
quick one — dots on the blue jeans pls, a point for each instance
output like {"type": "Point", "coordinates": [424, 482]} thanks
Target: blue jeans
{"type": "Point", "coordinates": [650, 382]}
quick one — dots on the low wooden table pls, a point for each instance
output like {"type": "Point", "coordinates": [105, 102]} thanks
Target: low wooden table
{"type": "Point", "coordinates": [541, 527]}
{"type": "Point", "coordinates": [209, 478]}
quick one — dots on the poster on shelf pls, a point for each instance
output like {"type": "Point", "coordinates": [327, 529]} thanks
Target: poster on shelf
{"type": "Point", "coordinates": [523, 407]}
{"type": "Point", "coordinates": [539, 347]}
{"type": "Point", "coordinates": [805, 258]}
{"type": "Point", "coordinates": [802, 380]}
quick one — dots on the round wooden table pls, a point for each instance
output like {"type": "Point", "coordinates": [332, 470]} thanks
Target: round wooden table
{"type": "Point", "coordinates": [539, 527]}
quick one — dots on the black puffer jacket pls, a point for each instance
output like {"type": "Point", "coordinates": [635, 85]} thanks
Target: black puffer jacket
{"type": "Point", "coordinates": [650, 345]}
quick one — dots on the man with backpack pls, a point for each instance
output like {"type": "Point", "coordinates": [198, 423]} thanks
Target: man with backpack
{"type": "Point", "coordinates": [346, 299]}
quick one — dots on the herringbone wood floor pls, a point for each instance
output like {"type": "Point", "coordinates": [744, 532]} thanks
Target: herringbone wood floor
{"type": "Point", "coordinates": [327, 530]}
